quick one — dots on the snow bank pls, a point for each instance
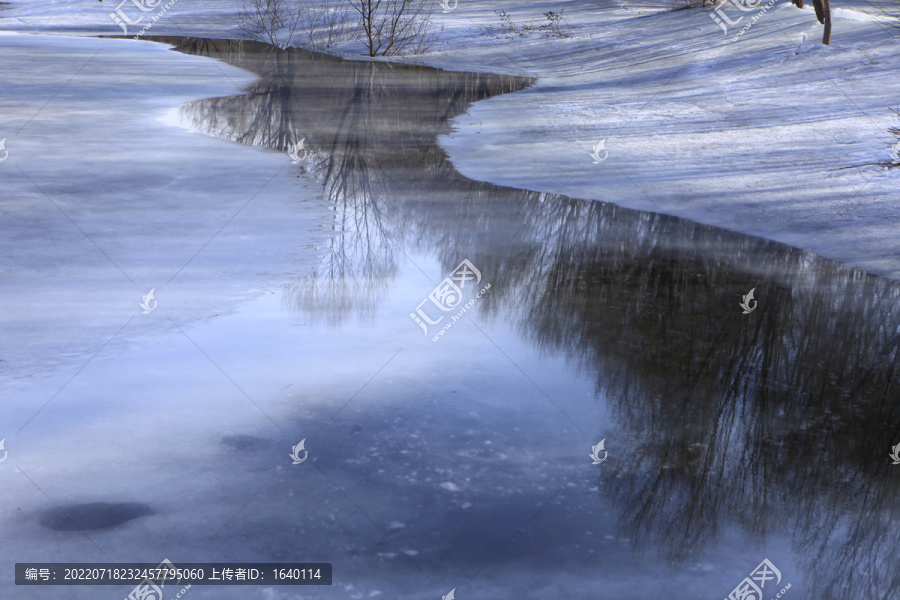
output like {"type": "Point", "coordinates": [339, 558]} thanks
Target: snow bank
{"type": "Point", "coordinates": [751, 134]}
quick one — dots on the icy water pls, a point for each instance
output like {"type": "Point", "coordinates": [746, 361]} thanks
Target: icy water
{"type": "Point", "coordinates": [461, 460]}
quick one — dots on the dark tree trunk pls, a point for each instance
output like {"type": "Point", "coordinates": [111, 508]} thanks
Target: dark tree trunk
{"type": "Point", "coordinates": [823, 14]}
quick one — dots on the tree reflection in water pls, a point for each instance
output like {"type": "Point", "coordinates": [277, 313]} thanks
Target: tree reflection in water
{"type": "Point", "coordinates": [778, 422]}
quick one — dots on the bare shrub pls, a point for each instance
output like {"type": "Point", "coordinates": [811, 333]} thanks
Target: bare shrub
{"type": "Point", "coordinates": [267, 20]}
{"type": "Point", "coordinates": [392, 27]}
{"type": "Point", "coordinates": [386, 27]}
{"type": "Point", "coordinates": [682, 4]}
{"type": "Point", "coordinates": [506, 23]}
{"type": "Point", "coordinates": [556, 25]}
{"type": "Point", "coordinates": [320, 24]}
{"type": "Point", "coordinates": [326, 25]}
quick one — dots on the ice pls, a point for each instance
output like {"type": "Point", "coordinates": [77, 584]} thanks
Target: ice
{"type": "Point", "coordinates": [192, 409]}
{"type": "Point", "coordinates": [745, 135]}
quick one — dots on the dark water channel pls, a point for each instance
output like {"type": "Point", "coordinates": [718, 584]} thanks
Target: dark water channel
{"type": "Point", "coordinates": [732, 437]}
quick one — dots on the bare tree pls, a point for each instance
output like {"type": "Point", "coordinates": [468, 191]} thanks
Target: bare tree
{"type": "Point", "coordinates": [278, 22]}
{"type": "Point", "coordinates": [392, 27]}
{"type": "Point", "coordinates": [326, 25]}
{"type": "Point", "coordinates": [823, 14]}
{"type": "Point", "coordinates": [265, 20]}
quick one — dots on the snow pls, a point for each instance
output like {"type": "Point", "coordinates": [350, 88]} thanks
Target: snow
{"type": "Point", "coordinates": [66, 168]}
{"type": "Point", "coordinates": [747, 135]}
{"type": "Point", "coordinates": [742, 135]}
{"type": "Point", "coordinates": [192, 408]}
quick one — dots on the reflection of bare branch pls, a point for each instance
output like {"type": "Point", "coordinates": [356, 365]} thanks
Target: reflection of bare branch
{"type": "Point", "coordinates": [767, 422]}
{"type": "Point", "coordinates": [362, 251]}
{"type": "Point", "coordinates": [352, 117]}
{"type": "Point", "coordinates": [334, 295]}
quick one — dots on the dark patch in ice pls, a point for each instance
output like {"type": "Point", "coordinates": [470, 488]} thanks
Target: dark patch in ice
{"type": "Point", "coordinates": [95, 515]}
{"type": "Point", "coordinates": [245, 442]}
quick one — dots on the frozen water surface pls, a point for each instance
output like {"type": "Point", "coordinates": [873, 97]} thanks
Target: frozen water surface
{"type": "Point", "coordinates": [772, 134]}
{"type": "Point", "coordinates": [284, 296]}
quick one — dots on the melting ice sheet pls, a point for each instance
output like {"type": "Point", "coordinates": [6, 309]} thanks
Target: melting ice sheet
{"type": "Point", "coordinates": [284, 292]}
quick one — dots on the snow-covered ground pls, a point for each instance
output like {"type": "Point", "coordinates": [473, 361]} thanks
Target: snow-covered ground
{"type": "Point", "coordinates": [129, 208]}
{"type": "Point", "coordinates": [191, 409]}
{"type": "Point", "coordinates": [444, 448]}
{"type": "Point", "coordinates": [746, 134]}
